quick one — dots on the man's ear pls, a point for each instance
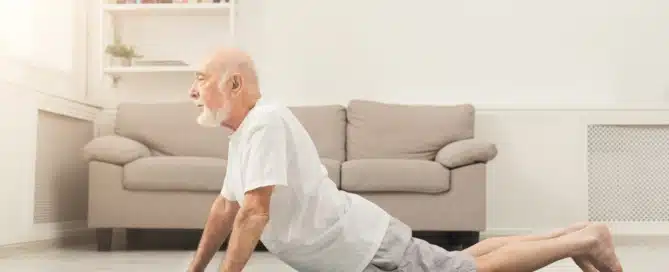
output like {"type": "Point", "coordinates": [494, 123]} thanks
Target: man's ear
{"type": "Point", "coordinates": [237, 82]}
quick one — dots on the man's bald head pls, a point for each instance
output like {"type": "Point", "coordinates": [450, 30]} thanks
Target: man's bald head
{"type": "Point", "coordinates": [228, 61]}
{"type": "Point", "coordinates": [226, 88]}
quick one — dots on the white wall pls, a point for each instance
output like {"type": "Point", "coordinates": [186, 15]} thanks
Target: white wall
{"type": "Point", "coordinates": [535, 70]}
{"type": "Point", "coordinates": [491, 51]}
{"type": "Point", "coordinates": [18, 141]}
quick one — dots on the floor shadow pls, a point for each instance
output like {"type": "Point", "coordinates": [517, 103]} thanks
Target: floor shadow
{"type": "Point", "coordinates": [180, 239]}
{"type": "Point", "coordinates": [168, 239]}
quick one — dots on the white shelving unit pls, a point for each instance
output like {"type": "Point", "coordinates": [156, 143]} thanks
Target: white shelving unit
{"type": "Point", "coordinates": [114, 12]}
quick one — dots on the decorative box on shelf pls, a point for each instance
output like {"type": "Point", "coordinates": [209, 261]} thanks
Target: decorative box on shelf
{"type": "Point", "coordinates": [167, 1]}
{"type": "Point", "coordinates": [187, 9]}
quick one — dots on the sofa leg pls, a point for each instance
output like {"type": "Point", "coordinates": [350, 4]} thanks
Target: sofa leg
{"type": "Point", "coordinates": [441, 239]}
{"type": "Point", "coordinates": [104, 238]}
{"type": "Point", "coordinates": [133, 239]}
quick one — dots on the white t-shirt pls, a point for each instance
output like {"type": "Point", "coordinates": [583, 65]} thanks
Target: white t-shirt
{"type": "Point", "coordinates": [313, 226]}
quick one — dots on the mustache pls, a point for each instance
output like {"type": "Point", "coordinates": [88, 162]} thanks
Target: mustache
{"type": "Point", "coordinates": [198, 101]}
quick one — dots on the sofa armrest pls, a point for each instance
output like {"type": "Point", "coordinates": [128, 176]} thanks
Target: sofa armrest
{"type": "Point", "coordinates": [466, 152]}
{"type": "Point", "coordinates": [115, 149]}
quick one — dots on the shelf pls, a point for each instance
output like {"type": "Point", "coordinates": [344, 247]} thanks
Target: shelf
{"type": "Point", "coordinates": [119, 70]}
{"type": "Point", "coordinates": [167, 9]}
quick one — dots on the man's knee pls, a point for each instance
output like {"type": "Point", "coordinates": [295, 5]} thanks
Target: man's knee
{"type": "Point", "coordinates": [484, 264]}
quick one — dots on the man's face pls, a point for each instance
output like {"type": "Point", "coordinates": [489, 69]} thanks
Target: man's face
{"type": "Point", "coordinates": [208, 93]}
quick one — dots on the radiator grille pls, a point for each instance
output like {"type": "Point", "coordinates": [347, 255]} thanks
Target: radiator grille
{"type": "Point", "coordinates": [61, 178]}
{"type": "Point", "coordinates": [628, 173]}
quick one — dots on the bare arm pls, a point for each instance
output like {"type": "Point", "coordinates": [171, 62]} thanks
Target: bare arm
{"type": "Point", "coordinates": [218, 227]}
{"type": "Point", "coordinates": [248, 227]}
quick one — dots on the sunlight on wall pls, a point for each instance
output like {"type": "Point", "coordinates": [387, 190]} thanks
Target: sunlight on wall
{"type": "Point", "coordinates": [54, 33]}
{"type": "Point", "coordinates": [16, 28]}
{"type": "Point", "coordinates": [38, 31]}
{"type": "Point", "coordinates": [42, 45]}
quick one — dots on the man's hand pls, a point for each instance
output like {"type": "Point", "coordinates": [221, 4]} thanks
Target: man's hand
{"type": "Point", "coordinates": [218, 227]}
{"type": "Point", "coordinates": [249, 225]}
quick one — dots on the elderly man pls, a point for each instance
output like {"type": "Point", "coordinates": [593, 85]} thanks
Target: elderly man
{"type": "Point", "coordinates": [276, 190]}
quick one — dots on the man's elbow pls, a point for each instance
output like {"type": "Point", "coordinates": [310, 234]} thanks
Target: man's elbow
{"type": "Point", "coordinates": [225, 208]}
{"type": "Point", "coordinates": [256, 205]}
{"type": "Point", "coordinates": [255, 213]}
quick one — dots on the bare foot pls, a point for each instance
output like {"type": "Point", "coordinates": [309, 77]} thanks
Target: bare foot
{"type": "Point", "coordinates": [603, 253]}
{"type": "Point", "coordinates": [583, 262]}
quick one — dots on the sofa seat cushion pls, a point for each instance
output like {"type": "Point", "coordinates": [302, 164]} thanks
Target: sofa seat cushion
{"type": "Point", "coordinates": [334, 170]}
{"type": "Point", "coordinates": [394, 175]}
{"type": "Point", "coordinates": [169, 173]}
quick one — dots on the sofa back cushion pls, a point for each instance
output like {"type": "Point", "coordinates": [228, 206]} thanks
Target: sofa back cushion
{"type": "Point", "coordinates": [171, 129]}
{"type": "Point", "coordinates": [381, 130]}
{"type": "Point", "coordinates": [327, 127]}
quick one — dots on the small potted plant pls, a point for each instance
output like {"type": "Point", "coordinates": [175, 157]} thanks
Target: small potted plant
{"type": "Point", "coordinates": [122, 52]}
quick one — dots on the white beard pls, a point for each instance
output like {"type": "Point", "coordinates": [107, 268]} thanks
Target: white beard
{"type": "Point", "coordinates": [213, 118]}
{"type": "Point", "coordinates": [210, 117]}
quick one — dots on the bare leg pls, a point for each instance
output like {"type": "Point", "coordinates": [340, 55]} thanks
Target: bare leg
{"type": "Point", "coordinates": [530, 256]}
{"type": "Point", "coordinates": [486, 246]}
{"type": "Point", "coordinates": [489, 245]}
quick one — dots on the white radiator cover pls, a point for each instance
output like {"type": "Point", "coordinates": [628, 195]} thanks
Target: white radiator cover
{"type": "Point", "coordinates": [628, 173]}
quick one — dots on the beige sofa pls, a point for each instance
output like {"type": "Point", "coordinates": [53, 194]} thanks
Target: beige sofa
{"type": "Point", "coordinates": [159, 170]}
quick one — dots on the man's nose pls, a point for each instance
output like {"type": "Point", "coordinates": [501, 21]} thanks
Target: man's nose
{"type": "Point", "coordinates": [194, 94]}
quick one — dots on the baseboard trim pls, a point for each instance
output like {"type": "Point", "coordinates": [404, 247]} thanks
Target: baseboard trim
{"type": "Point", "coordinates": [69, 238]}
{"type": "Point", "coordinates": [572, 107]}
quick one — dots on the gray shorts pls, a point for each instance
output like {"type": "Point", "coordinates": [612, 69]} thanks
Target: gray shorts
{"type": "Point", "coordinates": [400, 252]}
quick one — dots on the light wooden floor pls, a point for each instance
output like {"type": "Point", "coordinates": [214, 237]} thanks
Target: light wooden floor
{"type": "Point", "coordinates": [636, 257]}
